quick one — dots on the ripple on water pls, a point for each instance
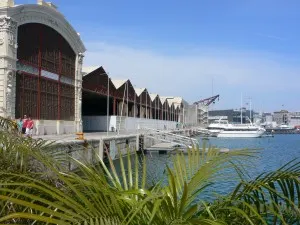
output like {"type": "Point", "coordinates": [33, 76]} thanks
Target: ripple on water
{"type": "Point", "coordinates": [275, 152]}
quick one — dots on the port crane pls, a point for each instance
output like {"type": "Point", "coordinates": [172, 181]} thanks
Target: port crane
{"type": "Point", "coordinates": [202, 109]}
{"type": "Point", "coordinates": [207, 101]}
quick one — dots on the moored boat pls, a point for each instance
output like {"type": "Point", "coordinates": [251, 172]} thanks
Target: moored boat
{"type": "Point", "coordinates": [226, 130]}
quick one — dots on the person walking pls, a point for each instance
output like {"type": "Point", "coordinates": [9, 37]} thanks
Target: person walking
{"type": "Point", "coordinates": [29, 127]}
{"type": "Point", "coordinates": [24, 125]}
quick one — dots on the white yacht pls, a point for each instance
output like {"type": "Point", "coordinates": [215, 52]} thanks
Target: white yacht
{"type": "Point", "coordinates": [217, 126]}
{"type": "Point", "coordinates": [226, 130]}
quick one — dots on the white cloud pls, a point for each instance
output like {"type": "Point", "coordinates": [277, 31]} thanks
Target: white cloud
{"type": "Point", "coordinates": [190, 75]}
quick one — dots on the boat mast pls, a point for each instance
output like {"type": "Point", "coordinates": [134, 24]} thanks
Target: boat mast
{"type": "Point", "coordinates": [250, 110]}
{"type": "Point", "coordinates": [241, 108]}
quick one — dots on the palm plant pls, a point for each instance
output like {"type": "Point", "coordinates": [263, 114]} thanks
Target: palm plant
{"type": "Point", "coordinates": [100, 194]}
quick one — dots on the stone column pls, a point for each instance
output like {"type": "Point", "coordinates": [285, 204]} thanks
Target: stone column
{"type": "Point", "coordinates": [8, 51]}
{"type": "Point", "coordinates": [78, 92]}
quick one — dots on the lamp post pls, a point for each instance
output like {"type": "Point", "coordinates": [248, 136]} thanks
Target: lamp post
{"type": "Point", "coordinates": [122, 109]}
{"type": "Point", "coordinates": [127, 96]}
{"type": "Point", "coordinates": [146, 107]}
{"type": "Point", "coordinates": [134, 113]}
{"type": "Point", "coordinates": [107, 120]}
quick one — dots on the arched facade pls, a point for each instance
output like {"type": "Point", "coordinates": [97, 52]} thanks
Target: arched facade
{"type": "Point", "coordinates": [45, 74]}
{"type": "Point", "coordinates": [40, 67]}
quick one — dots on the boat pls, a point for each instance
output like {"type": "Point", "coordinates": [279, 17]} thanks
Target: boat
{"type": "Point", "coordinates": [217, 126]}
{"type": "Point", "coordinates": [242, 131]}
{"type": "Point", "coordinates": [285, 127]}
{"type": "Point", "coordinates": [223, 129]}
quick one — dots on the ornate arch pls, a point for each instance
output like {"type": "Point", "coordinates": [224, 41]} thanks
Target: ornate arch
{"type": "Point", "coordinates": [48, 16]}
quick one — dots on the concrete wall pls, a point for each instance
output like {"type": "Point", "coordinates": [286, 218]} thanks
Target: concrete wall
{"type": "Point", "coordinates": [132, 124]}
{"type": "Point", "coordinates": [48, 127]}
{"type": "Point", "coordinates": [99, 123]}
{"type": "Point", "coordinates": [89, 152]}
{"type": "Point", "coordinates": [190, 116]}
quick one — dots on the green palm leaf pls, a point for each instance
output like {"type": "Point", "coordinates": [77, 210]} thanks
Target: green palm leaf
{"type": "Point", "coordinates": [274, 193]}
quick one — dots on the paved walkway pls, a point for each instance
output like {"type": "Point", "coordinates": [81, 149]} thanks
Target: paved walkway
{"type": "Point", "coordinates": [87, 136]}
{"type": "Point", "coordinates": [90, 135]}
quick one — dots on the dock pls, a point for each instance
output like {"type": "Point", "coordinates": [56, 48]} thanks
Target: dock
{"type": "Point", "coordinates": [89, 147]}
{"type": "Point", "coordinates": [282, 131]}
{"type": "Point", "coordinates": [165, 148]}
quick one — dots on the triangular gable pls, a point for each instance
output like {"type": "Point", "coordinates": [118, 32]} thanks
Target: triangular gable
{"type": "Point", "coordinates": [95, 73]}
{"type": "Point", "coordinates": [162, 99]}
{"type": "Point", "coordinates": [139, 91]}
{"type": "Point", "coordinates": [118, 83]}
{"type": "Point", "coordinates": [153, 96]}
{"type": "Point", "coordinates": [96, 81]}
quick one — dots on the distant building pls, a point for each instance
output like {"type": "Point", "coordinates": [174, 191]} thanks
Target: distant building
{"type": "Point", "coordinates": [294, 119]}
{"type": "Point", "coordinates": [195, 115]}
{"type": "Point", "coordinates": [232, 115]}
{"type": "Point", "coordinates": [281, 117]}
{"type": "Point", "coordinates": [267, 118]}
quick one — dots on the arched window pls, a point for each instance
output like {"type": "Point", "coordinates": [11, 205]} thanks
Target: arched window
{"type": "Point", "coordinates": [46, 74]}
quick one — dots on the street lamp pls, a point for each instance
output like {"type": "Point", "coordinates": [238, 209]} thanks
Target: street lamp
{"type": "Point", "coordinates": [126, 84]}
{"type": "Point", "coordinates": [107, 120]}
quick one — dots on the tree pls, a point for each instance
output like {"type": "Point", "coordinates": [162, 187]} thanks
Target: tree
{"type": "Point", "coordinates": [99, 194]}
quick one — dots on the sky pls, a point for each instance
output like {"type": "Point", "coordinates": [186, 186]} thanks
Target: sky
{"type": "Point", "coordinates": [240, 50]}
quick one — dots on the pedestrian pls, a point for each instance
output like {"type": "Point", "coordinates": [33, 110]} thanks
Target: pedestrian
{"type": "Point", "coordinates": [24, 125]}
{"type": "Point", "coordinates": [20, 125]}
{"type": "Point", "coordinates": [29, 127]}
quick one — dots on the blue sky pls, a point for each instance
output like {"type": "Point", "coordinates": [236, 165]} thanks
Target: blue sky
{"type": "Point", "coordinates": [179, 47]}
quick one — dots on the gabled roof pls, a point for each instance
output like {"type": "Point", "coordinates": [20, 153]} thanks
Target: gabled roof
{"type": "Point", "coordinates": [118, 83]}
{"type": "Point", "coordinates": [162, 99]}
{"type": "Point", "coordinates": [139, 91]}
{"type": "Point", "coordinates": [177, 101]}
{"type": "Point", "coordinates": [153, 96]}
{"type": "Point", "coordinates": [88, 69]}
{"type": "Point", "coordinates": [170, 102]}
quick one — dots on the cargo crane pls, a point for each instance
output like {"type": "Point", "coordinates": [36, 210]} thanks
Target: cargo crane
{"type": "Point", "coordinates": [202, 109]}
{"type": "Point", "coordinates": [207, 101]}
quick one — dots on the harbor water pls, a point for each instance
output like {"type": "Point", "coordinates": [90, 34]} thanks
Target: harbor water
{"type": "Point", "coordinates": [274, 152]}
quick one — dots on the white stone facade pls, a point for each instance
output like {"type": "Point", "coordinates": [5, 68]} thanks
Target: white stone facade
{"type": "Point", "coordinates": [11, 17]}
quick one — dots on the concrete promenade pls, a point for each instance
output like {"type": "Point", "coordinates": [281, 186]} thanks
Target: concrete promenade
{"type": "Point", "coordinates": [104, 135]}
{"type": "Point", "coordinates": [87, 136]}
{"type": "Point", "coordinates": [98, 142]}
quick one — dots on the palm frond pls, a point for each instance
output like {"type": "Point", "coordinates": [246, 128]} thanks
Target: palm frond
{"type": "Point", "coordinates": [8, 125]}
{"type": "Point", "coordinates": [276, 195]}
{"type": "Point", "coordinates": [193, 174]}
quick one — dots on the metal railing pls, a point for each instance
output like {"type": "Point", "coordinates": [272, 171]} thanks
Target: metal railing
{"type": "Point", "coordinates": [167, 136]}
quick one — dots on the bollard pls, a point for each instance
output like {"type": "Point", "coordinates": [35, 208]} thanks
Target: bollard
{"type": "Point", "coordinates": [80, 136]}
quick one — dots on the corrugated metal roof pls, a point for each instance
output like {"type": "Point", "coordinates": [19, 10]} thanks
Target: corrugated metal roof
{"type": "Point", "coordinates": [177, 101]}
{"type": "Point", "coordinates": [170, 102]}
{"type": "Point", "coordinates": [162, 99]}
{"type": "Point", "coordinates": [88, 69]}
{"type": "Point", "coordinates": [139, 91]}
{"type": "Point", "coordinates": [118, 83]}
{"type": "Point", "coordinates": [153, 96]}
